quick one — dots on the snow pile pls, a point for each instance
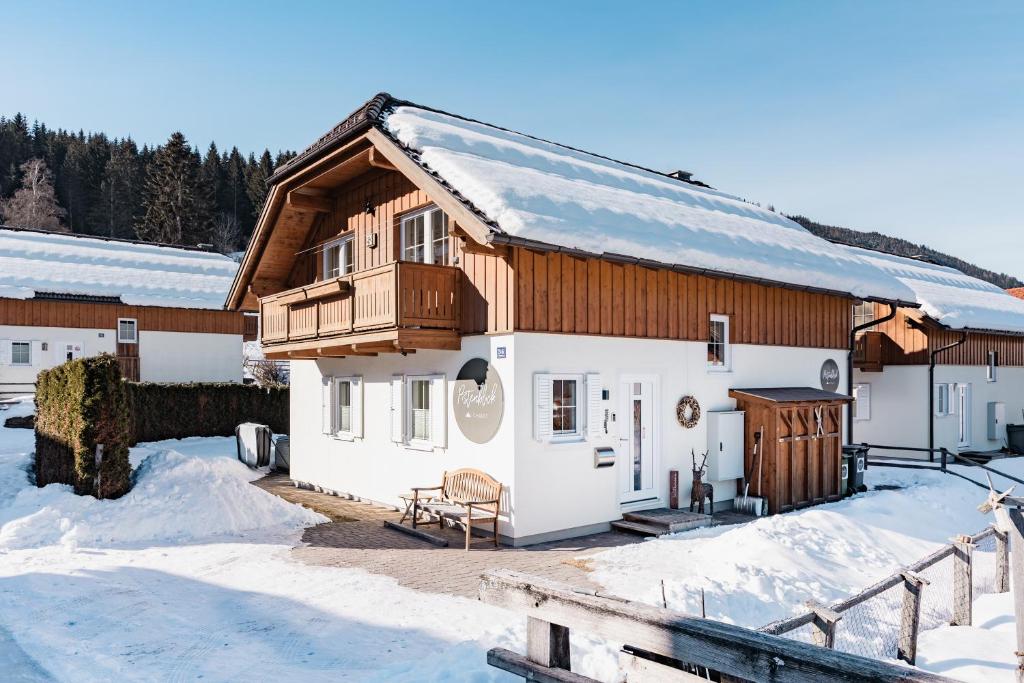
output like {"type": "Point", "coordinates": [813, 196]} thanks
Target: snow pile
{"type": "Point", "coordinates": [951, 297]}
{"type": "Point", "coordinates": [983, 652]}
{"type": "Point", "coordinates": [550, 193]}
{"type": "Point", "coordinates": [767, 569]}
{"type": "Point", "coordinates": [141, 274]}
{"type": "Point", "coordinates": [175, 498]}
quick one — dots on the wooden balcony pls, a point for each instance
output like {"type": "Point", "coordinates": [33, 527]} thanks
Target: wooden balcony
{"type": "Point", "coordinates": [868, 353]}
{"type": "Point", "coordinates": [396, 307]}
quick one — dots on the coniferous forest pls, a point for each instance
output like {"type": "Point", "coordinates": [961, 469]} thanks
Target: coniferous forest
{"type": "Point", "coordinates": [92, 184]}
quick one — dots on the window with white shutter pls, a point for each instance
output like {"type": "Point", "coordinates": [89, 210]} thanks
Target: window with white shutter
{"type": "Point", "coordinates": [327, 404]}
{"type": "Point", "coordinates": [862, 402]}
{"type": "Point", "coordinates": [348, 407]}
{"type": "Point", "coordinates": [560, 401]}
{"type": "Point", "coordinates": [426, 411]}
{"type": "Point", "coordinates": [397, 408]}
{"type": "Point", "coordinates": [21, 353]}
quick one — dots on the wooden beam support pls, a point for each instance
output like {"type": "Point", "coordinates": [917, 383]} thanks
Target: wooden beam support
{"type": "Point", "coordinates": [377, 161]}
{"type": "Point", "coordinates": [304, 201]}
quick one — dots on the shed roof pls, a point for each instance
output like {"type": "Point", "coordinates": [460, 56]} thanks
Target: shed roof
{"type": "Point", "coordinates": [1017, 292]}
{"type": "Point", "coordinates": [792, 395]}
{"type": "Point", "coordinates": [40, 264]}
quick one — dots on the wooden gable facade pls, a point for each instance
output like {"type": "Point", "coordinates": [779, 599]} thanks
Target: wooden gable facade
{"type": "Point", "coordinates": [386, 304]}
{"type": "Point", "coordinates": [910, 337]}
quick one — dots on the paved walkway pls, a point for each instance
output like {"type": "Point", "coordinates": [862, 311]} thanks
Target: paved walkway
{"type": "Point", "coordinates": [357, 537]}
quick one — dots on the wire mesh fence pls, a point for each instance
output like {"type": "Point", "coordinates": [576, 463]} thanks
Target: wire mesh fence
{"type": "Point", "coordinates": [882, 621]}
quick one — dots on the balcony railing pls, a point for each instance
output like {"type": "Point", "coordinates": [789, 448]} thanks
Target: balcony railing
{"type": "Point", "coordinates": [392, 296]}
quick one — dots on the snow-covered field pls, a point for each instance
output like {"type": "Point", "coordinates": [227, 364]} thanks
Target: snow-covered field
{"type": "Point", "coordinates": [981, 653]}
{"type": "Point", "coordinates": [189, 576]}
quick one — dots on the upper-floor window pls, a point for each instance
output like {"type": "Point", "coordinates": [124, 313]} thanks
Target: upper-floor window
{"type": "Point", "coordinates": [339, 258]}
{"type": "Point", "coordinates": [993, 363]}
{"type": "Point", "coordinates": [425, 237]}
{"type": "Point", "coordinates": [863, 313]}
{"type": "Point", "coordinates": [127, 331]}
{"type": "Point", "coordinates": [718, 342]}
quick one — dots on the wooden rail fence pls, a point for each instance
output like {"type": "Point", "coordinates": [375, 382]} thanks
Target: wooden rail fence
{"type": "Point", "coordinates": [825, 621]}
{"type": "Point", "coordinates": [660, 644]}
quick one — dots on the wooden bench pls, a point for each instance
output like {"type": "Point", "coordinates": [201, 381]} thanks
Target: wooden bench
{"type": "Point", "coordinates": [466, 495]}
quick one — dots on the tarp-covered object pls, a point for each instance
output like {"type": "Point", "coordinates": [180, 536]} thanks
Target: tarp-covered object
{"type": "Point", "coordinates": [254, 444]}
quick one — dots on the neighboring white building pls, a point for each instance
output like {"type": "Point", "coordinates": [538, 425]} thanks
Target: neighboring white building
{"type": "Point", "coordinates": [974, 333]}
{"type": "Point", "coordinates": [159, 309]}
{"type": "Point", "coordinates": [451, 294]}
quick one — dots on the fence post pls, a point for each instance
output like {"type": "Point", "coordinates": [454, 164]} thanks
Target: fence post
{"type": "Point", "coordinates": [963, 593]}
{"type": "Point", "coordinates": [1016, 538]}
{"type": "Point", "coordinates": [906, 648]}
{"type": "Point", "coordinates": [547, 644]}
{"type": "Point", "coordinates": [1002, 562]}
{"type": "Point", "coordinates": [824, 623]}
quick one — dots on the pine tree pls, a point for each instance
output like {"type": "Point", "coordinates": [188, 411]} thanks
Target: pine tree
{"type": "Point", "coordinates": [256, 181]}
{"type": "Point", "coordinates": [34, 205]}
{"type": "Point", "coordinates": [122, 189]}
{"type": "Point", "coordinates": [236, 198]}
{"type": "Point", "coordinates": [175, 210]}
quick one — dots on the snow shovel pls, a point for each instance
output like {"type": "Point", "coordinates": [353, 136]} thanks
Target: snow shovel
{"type": "Point", "coordinates": [747, 504]}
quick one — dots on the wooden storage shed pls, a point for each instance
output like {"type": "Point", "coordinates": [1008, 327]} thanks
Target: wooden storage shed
{"type": "Point", "coordinates": [801, 447]}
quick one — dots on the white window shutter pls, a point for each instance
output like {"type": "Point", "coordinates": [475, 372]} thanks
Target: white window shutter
{"type": "Point", "coordinates": [356, 395]}
{"type": "Point", "coordinates": [595, 410]}
{"type": "Point", "coordinates": [398, 408]}
{"type": "Point", "coordinates": [5, 351]}
{"type": "Point", "coordinates": [439, 411]}
{"type": "Point", "coordinates": [862, 402]}
{"type": "Point", "coordinates": [952, 400]}
{"type": "Point", "coordinates": [542, 428]}
{"type": "Point", "coordinates": [327, 403]}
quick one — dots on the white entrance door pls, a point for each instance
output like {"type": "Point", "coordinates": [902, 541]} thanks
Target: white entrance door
{"type": "Point", "coordinates": [637, 448]}
{"type": "Point", "coordinates": [964, 414]}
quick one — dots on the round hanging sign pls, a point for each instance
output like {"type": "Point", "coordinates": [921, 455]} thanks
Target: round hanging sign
{"type": "Point", "coordinates": [478, 400]}
{"type": "Point", "coordinates": [830, 375]}
{"type": "Point", "coordinates": [688, 412]}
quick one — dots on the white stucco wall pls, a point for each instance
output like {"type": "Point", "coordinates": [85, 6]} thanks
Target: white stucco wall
{"type": "Point", "coordinates": [557, 486]}
{"type": "Point", "coordinates": [189, 357]}
{"type": "Point", "coordinates": [900, 406]}
{"type": "Point", "coordinates": [165, 356]}
{"type": "Point", "coordinates": [551, 486]}
{"type": "Point", "coordinates": [16, 379]}
{"type": "Point", "coordinates": [374, 467]}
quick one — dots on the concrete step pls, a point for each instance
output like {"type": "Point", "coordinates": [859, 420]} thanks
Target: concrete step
{"type": "Point", "coordinates": [639, 528]}
{"type": "Point", "coordinates": [672, 521]}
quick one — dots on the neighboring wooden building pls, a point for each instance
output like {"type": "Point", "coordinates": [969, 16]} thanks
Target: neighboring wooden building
{"type": "Point", "coordinates": [159, 309]}
{"type": "Point", "coordinates": [949, 374]}
{"type": "Point", "coordinates": [453, 294]}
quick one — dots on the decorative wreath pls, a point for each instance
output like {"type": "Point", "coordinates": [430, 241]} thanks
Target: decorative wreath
{"type": "Point", "coordinates": [688, 412]}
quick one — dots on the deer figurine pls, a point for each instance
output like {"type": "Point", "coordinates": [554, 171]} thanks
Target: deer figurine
{"type": "Point", "coordinates": [700, 490]}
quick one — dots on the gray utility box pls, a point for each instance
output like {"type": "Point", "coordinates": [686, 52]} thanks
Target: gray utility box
{"type": "Point", "coordinates": [996, 420]}
{"type": "Point", "coordinates": [725, 445]}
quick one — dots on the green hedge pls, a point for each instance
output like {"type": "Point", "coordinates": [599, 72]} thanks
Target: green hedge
{"type": "Point", "coordinates": [175, 411]}
{"type": "Point", "coordinates": [79, 405]}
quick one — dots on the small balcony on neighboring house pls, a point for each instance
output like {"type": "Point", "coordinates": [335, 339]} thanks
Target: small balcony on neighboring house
{"type": "Point", "coordinates": [396, 307]}
{"type": "Point", "coordinates": [868, 352]}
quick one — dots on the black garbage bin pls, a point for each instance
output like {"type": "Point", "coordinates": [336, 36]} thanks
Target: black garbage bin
{"type": "Point", "coordinates": [855, 457]}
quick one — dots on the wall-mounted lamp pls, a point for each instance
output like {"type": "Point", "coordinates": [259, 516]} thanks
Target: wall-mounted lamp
{"type": "Point", "coordinates": [368, 208]}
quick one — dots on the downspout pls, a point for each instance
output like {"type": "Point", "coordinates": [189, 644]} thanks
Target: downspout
{"type": "Point", "coordinates": [931, 392]}
{"type": "Point", "coordinates": [849, 364]}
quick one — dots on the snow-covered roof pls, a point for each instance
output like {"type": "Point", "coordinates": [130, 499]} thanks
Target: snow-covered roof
{"type": "Point", "coordinates": [545, 192]}
{"type": "Point", "coordinates": [140, 274]}
{"type": "Point", "coordinates": [950, 297]}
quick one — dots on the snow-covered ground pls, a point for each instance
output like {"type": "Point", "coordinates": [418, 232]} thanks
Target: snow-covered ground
{"type": "Point", "coordinates": [190, 576]}
{"type": "Point", "coordinates": [981, 653]}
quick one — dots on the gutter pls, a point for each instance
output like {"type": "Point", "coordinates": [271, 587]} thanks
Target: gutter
{"type": "Point", "coordinates": [893, 307]}
{"type": "Point", "coordinates": [933, 357]}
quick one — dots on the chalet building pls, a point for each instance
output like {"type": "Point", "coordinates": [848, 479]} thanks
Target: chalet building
{"type": "Point", "coordinates": [949, 374]}
{"type": "Point", "coordinates": [159, 309]}
{"type": "Point", "coordinates": [453, 294]}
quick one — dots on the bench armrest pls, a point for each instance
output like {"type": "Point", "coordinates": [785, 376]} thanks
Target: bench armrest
{"type": "Point", "coordinates": [414, 489]}
{"type": "Point", "coordinates": [479, 502]}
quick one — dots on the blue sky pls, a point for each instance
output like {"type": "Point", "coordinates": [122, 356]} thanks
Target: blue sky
{"type": "Point", "coordinates": [905, 117]}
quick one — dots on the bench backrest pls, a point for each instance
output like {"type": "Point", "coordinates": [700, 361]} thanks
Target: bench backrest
{"type": "Point", "coordinates": [468, 484]}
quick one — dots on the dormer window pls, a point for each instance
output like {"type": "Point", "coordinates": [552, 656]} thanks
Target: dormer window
{"type": "Point", "coordinates": [425, 237]}
{"type": "Point", "coordinates": [338, 258]}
